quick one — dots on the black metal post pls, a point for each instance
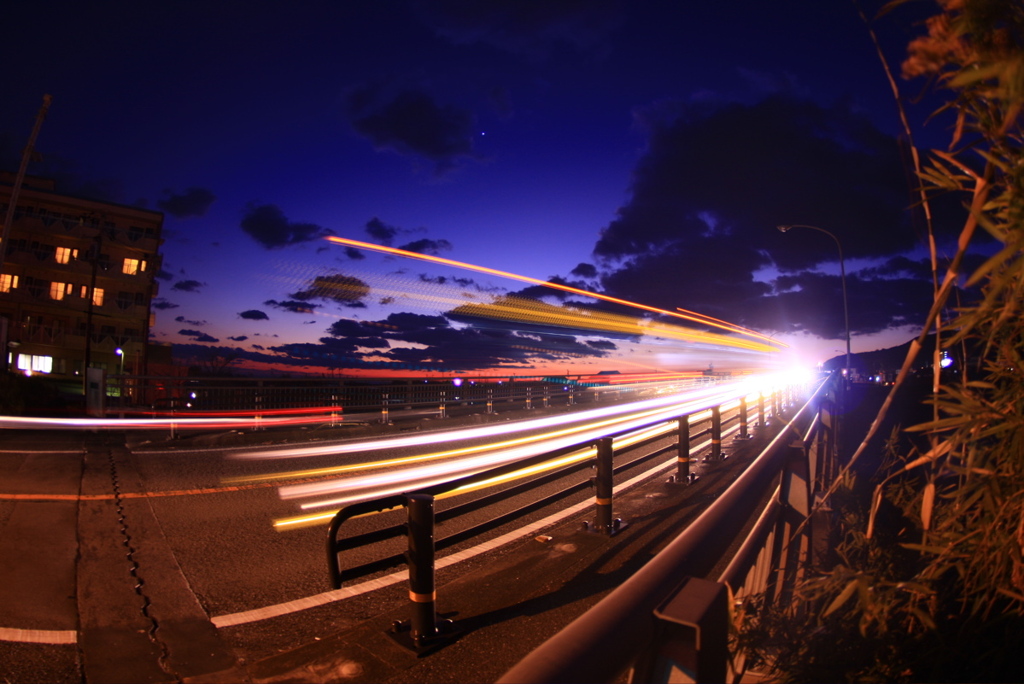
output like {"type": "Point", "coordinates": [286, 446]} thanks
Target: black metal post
{"type": "Point", "coordinates": [683, 450]}
{"type": "Point", "coordinates": [716, 433]}
{"type": "Point", "coordinates": [603, 484]}
{"type": "Point", "coordinates": [760, 409]}
{"type": "Point", "coordinates": [743, 418]}
{"type": "Point", "coordinates": [420, 558]}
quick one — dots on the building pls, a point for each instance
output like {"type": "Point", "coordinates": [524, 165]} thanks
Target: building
{"type": "Point", "coordinates": [76, 282]}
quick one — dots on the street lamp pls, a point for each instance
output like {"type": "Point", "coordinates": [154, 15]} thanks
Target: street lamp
{"type": "Point", "coordinates": [842, 272]}
{"type": "Point", "coordinates": [120, 352]}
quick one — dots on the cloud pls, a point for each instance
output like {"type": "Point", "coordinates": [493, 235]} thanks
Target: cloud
{"type": "Point", "coordinates": [380, 231]}
{"type": "Point", "coordinates": [187, 286]}
{"type": "Point", "coordinates": [239, 338]}
{"type": "Point", "coordinates": [413, 341]}
{"type": "Point", "coordinates": [899, 266]}
{"type": "Point", "coordinates": [531, 29]}
{"type": "Point", "coordinates": [540, 291]}
{"type": "Point", "coordinates": [268, 225]}
{"type": "Point", "coordinates": [813, 303]}
{"type": "Point", "coordinates": [191, 202]}
{"type": "Point", "coordinates": [292, 306]}
{"type": "Point", "coordinates": [198, 336]}
{"type": "Point", "coordinates": [162, 304]}
{"type": "Point", "coordinates": [584, 270]}
{"type": "Point", "coordinates": [716, 180]}
{"type": "Point", "coordinates": [254, 315]}
{"type": "Point", "coordinates": [411, 122]}
{"type": "Point", "coordinates": [342, 289]}
{"type": "Point", "coordinates": [427, 246]}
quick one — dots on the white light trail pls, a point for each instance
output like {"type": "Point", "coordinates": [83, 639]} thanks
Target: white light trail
{"type": "Point", "coordinates": [596, 424]}
{"type": "Point", "coordinates": [482, 431]}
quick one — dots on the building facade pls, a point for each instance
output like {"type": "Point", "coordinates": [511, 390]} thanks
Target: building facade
{"type": "Point", "coordinates": [76, 282]}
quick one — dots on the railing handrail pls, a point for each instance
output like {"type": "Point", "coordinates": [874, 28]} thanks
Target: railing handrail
{"type": "Point", "coordinates": [605, 641]}
{"type": "Point", "coordinates": [335, 546]}
{"type": "Point", "coordinates": [393, 501]}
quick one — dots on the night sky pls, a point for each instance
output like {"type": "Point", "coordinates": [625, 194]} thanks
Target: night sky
{"type": "Point", "coordinates": [646, 150]}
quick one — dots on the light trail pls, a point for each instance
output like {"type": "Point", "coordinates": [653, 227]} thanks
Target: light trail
{"type": "Point", "coordinates": [495, 455]}
{"type": "Point", "coordinates": [408, 460]}
{"type": "Point", "coordinates": [649, 418]}
{"type": "Point", "coordinates": [680, 313]}
{"type": "Point", "coordinates": [478, 432]}
{"type": "Point", "coordinates": [225, 420]}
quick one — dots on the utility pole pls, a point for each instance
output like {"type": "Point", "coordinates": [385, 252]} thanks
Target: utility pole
{"type": "Point", "coordinates": [16, 190]}
{"type": "Point", "coordinates": [26, 155]}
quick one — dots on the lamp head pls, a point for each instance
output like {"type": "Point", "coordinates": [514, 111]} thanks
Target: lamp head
{"type": "Point", "coordinates": [783, 229]}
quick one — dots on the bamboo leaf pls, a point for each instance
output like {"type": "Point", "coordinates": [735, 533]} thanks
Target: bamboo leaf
{"type": "Point", "coordinates": [927, 504]}
{"type": "Point", "coordinates": [843, 597]}
{"type": "Point", "coordinates": [974, 75]}
{"type": "Point", "coordinates": [876, 502]}
{"type": "Point", "coordinates": [924, 617]}
{"type": "Point", "coordinates": [940, 450]}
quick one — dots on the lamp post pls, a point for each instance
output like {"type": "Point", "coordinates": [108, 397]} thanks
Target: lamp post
{"type": "Point", "coordinates": [842, 272]}
{"type": "Point", "coordinates": [120, 352]}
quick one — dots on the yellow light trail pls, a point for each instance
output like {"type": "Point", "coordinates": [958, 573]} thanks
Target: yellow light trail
{"type": "Point", "coordinates": [688, 315]}
{"type": "Point", "coordinates": [661, 428]}
{"type": "Point", "coordinates": [521, 309]}
{"type": "Point", "coordinates": [464, 451]}
{"type": "Point", "coordinates": [581, 455]}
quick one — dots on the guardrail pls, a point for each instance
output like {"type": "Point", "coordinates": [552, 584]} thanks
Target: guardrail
{"type": "Point", "coordinates": [386, 399]}
{"type": "Point", "coordinates": [598, 452]}
{"type": "Point", "coordinates": [669, 622]}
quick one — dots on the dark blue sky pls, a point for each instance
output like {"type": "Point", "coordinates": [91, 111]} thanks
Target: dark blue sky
{"type": "Point", "coordinates": [642, 149]}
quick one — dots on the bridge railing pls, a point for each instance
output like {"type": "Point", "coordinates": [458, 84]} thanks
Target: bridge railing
{"type": "Point", "coordinates": [670, 620]}
{"type": "Point", "coordinates": [596, 451]}
{"type": "Point", "coordinates": [370, 400]}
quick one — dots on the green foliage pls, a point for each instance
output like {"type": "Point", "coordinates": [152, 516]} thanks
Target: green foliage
{"type": "Point", "coordinates": [929, 583]}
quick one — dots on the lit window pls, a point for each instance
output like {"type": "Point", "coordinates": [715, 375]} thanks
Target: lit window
{"type": "Point", "coordinates": [35, 364]}
{"type": "Point", "coordinates": [59, 291]}
{"type": "Point", "coordinates": [8, 282]}
{"type": "Point", "coordinates": [97, 296]}
{"type": "Point", "coordinates": [133, 266]}
{"type": "Point", "coordinates": [66, 254]}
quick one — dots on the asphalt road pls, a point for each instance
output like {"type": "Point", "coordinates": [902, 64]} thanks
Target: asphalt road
{"type": "Point", "coordinates": [131, 558]}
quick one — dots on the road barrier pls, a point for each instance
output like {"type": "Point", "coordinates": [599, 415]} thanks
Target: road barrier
{"type": "Point", "coordinates": [599, 453]}
{"type": "Point", "coordinates": [669, 621]}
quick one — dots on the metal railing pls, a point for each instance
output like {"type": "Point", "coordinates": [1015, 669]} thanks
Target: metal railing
{"type": "Point", "coordinates": [597, 452]}
{"type": "Point", "coordinates": [385, 400]}
{"type": "Point", "coordinates": [669, 621]}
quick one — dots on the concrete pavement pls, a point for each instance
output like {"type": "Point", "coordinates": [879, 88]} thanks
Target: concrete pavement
{"type": "Point", "coordinates": [503, 604]}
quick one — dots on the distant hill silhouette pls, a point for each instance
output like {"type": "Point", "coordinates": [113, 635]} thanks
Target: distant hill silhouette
{"type": "Point", "coordinates": [882, 360]}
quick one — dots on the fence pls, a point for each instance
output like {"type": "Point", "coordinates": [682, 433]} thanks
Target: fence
{"type": "Point", "coordinates": [597, 450]}
{"type": "Point", "coordinates": [669, 622]}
